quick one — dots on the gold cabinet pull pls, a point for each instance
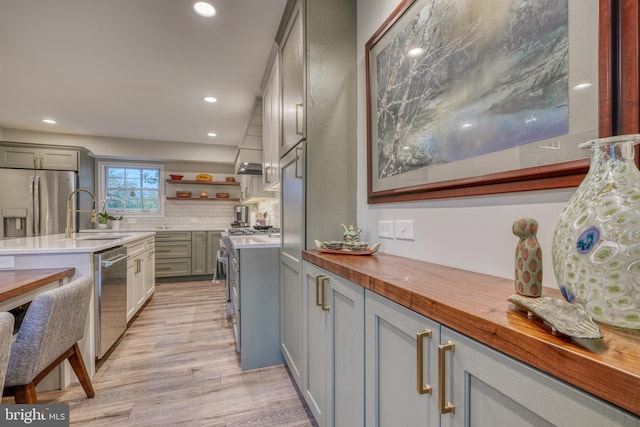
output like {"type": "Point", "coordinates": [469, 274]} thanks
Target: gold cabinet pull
{"type": "Point", "coordinates": [298, 129]}
{"type": "Point", "coordinates": [298, 149]}
{"type": "Point", "coordinates": [448, 407]}
{"type": "Point", "coordinates": [323, 283]}
{"type": "Point", "coordinates": [420, 336]}
{"type": "Point", "coordinates": [318, 278]}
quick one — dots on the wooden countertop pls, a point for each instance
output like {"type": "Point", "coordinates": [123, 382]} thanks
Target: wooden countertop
{"type": "Point", "coordinates": [14, 283]}
{"type": "Point", "coordinates": [476, 305]}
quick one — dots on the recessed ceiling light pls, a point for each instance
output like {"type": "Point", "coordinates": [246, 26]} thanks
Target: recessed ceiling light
{"type": "Point", "coordinates": [466, 125]}
{"type": "Point", "coordinates": [210, 99]}
{"type": "Point", "coordinates": [416, 51]}
{"type": "Point", "coordinates": [49, 121]}
{"type": "Point", "coordinates": [212, 134]}
{"type": "Point", "coordinates": [204, 8]}
{"type": "Point", "coordinates": [582, 86]}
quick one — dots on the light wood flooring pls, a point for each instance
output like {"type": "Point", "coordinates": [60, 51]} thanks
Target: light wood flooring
{"type": "Point", "coordinates": [177, 366]}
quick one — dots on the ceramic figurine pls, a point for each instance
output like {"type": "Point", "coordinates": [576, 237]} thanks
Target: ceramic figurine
{"type": "Point", "coordinates": [351, 233]}
{"type": "Point", "coordinates": [528, 259]}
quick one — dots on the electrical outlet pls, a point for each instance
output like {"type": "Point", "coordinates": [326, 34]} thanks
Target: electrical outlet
{"type": "Point", "coordinates": [404, 230]}
{"type": "Point", "coordinates": [7, 262]}
{"type": "Point", "coordinates": [194, 220]}
{"type": "Point", "coordinates": [385, 229]}
{"type": "Point", "coordinates": [132, 220]}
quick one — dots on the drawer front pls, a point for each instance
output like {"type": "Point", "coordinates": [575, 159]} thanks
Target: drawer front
{"type": "Point", "coordinates": [173, 236]}
{"type": "Point", "coordinates": [173, 267]}
{"type": "Point", "coordinates": [166, 250]}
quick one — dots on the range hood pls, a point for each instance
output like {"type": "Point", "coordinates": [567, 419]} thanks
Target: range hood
{"type": "Point", "coordinates": [248, 168]}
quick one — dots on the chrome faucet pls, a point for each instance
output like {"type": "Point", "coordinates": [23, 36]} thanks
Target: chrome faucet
{"type": "Point", "coordinates": [67, 230]}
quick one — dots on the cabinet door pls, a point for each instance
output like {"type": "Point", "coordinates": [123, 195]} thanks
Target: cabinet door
{"type": "Point", "coordinates": [293, 54]}
{"type": "Point", "coordinates": [393, 336]}
{"type": "Point", "coordinates": [489, 388]}
{"type": "Point", "coordinates": [292, 235]}
{"type": "Point", "coordinates": [131, 296]}
{"type": "Point", "coordinates": [19, 157]}
{"type": "Point", "coordinates": [63, 160]}
{"type": "Point", "coordinates": [149, 268]}
{"type": "Point", "coordinates": [271, 128]}
{"type": "Point", "coordinates": [198, 252]}
{"type": "Point", "coordinates": [333, 348]}
{"type": "Point", "coordinates": [316, 342]}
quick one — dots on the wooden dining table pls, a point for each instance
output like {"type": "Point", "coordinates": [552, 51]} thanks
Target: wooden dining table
{"type": "Point", "coordinates": [18, 287]}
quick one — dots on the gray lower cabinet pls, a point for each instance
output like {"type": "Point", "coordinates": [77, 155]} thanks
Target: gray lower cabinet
{"type": "Point", "coordinates": [333, 373]}
{"type": "Point", "coordinates": [394, 335]}
{"type": "Point", "coordinates": [173, 254]}
{"type": "Point", "coordinates": [255, 297]}
{"type": "Point", "coordinates": [487, 387]}
{"type": "Point", "coordinates": [369, 361]}
{"type": "Point", "coordinates": [198, 252]}
{"type": "Point", "coordinates": [421, 373]}
{"type": "Point", "coordinates": [186, 253]}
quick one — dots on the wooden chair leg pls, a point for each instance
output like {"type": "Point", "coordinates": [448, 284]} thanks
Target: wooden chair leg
{"type": "Point", "coordinates": [26, 394]}
{"type": "Point", "coordinates": [75, 359]}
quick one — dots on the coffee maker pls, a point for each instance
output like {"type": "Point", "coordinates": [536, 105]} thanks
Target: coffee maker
{"type": "Point", "coordinates": [241, 216]}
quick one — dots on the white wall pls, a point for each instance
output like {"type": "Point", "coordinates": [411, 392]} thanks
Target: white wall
{"type": "Point", "coordinates": [472, 233]}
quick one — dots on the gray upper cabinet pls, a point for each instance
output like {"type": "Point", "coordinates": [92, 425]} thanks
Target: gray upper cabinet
{"type": "Point", "coordinates": [293, 65]}
{"type": "Point", "coordinates": [38, 158]}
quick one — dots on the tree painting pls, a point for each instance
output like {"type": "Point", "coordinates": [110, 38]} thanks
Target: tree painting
{"type": "Point", "coordinates": [462, 79]}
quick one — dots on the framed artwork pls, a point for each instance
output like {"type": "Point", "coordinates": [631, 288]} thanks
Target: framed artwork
{"type": "Point", "coordinates": [465, 99]}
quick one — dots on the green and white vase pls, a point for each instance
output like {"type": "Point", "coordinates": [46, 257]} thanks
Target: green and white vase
{"type": "Point", "coordinates": [596, 244]}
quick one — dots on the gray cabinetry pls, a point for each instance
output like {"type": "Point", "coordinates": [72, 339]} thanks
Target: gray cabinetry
{"type": "Point", "coordinates": [394, 335]}
{"type": "Point", "coordinates": [419, 372]}
{"type": "Point", "coordinates": [26, 157]}
{"type": "Point", "coordinates": [318, 144]}
{"type": "Point", "coordinates": [173, 254]}
{"type": "Point", "coordinates": [486, 387]}
{"type": "Point", "coordinates": [186, 253]}
{"type": "Point", "coordinates": [255, 280]}
{"type": "Point", "coordinates": [293, 69]}
{"type": "Point", "coordinates": [198, 252]}
{"type": "Point", "coordinates": [333, 376]}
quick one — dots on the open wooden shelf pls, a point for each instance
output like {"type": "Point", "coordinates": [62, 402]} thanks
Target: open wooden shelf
{"type": "Point", "coordinates": [188, 181]}
{"type": "Point", "coordinates": [206, 199]}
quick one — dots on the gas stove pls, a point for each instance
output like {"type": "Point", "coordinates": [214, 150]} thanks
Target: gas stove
{"type": "Point", "coordinates": [253, 230]}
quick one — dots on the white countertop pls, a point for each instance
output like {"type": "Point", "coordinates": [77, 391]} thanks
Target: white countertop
{"type": "Point", "coordinates": [250, 241]}
{"type": "Point", "coordinates": [78, 243]}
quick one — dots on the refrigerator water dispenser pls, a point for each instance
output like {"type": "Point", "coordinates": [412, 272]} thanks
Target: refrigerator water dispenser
{"type": "Point", "coordinates": [15, 222]}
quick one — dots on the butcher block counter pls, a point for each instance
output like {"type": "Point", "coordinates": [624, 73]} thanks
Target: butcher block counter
{"type": "Point", "coordinates": [15, 285]}
{"type": "Point", "coordinates": [476, 305]}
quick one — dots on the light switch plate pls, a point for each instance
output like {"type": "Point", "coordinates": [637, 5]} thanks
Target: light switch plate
{"type": "Point", "coordinates": [385, 229]}
{"type": "Point", "coordinates": [404, 230]}
{"type": "Point", "coordinates": [7, 262]}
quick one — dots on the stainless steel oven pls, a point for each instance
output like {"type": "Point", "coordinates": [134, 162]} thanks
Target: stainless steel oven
{"type": "Point", "coordinates": [223, 258]}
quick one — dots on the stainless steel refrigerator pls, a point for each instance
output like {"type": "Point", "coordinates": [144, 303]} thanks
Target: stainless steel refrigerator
{"type": "Point", "coordinates": [33, 202]}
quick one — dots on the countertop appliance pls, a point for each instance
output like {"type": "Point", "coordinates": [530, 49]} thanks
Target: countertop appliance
{"type": "Point", "coordinates": [33, 202]}
{"type": "Point", "coordinates": [240, 216]}
{"type": "Point", "coordinates": [110, 278]}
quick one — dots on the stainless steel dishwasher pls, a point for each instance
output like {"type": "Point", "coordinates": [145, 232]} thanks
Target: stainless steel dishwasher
{"type": "Point", "coordinates": [110, 276]}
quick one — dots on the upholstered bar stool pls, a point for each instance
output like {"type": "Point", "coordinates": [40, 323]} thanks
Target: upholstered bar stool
{"type": "Point", "coordinates": [49, 334]}
{"type": "Point", "coordinates": [6, 333]}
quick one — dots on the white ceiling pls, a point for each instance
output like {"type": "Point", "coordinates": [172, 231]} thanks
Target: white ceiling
{"type": "Point", "coordinates": [134, 68]}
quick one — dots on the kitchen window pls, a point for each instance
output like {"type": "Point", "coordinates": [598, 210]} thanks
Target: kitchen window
{"type": "Point", "coordinates": [131, 189]}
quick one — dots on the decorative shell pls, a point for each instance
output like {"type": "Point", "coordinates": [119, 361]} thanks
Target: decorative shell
{"type": "Point", "coordinates": [568, 319]}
